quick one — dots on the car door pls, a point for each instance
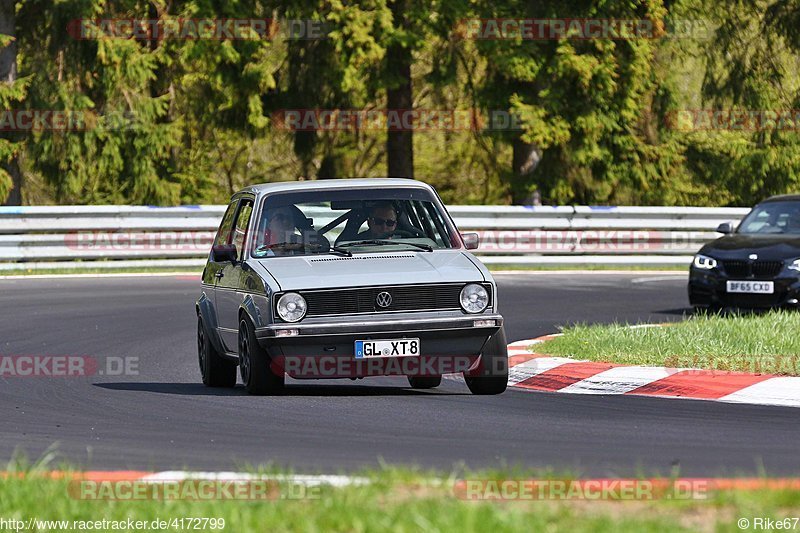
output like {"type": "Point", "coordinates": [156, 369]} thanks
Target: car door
{"type": "Point", "coordinates": [214, 266]}
{"type": "Point", "coordinates": [228, 292]}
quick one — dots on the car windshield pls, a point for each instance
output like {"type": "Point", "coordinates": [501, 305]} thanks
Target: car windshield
{"type": "Point", "coordinates": [351, 221]}
{"type": "Point", "coordinates": [772, 218]}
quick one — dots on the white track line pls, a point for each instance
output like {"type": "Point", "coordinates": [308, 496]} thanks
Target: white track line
{"type": "Point", "coordinates": [297, 479]}
{"type": "Point", "coordinates": [534, 367]}
{"type": "Point", "coordinates": [619, 380]}
{"type": "Point", "coordinates": [774, 391]}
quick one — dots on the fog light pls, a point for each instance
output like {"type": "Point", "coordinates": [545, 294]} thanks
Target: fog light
{"type": "Point", "coordinates": [484, 323]}
{"type": "Point", "coordinates": [287, 332]}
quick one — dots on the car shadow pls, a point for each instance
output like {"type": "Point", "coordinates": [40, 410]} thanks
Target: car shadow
{"type": "Point", "coordinates": [293, 389]}
{"type": "Point", "coordinates": [681, 311]}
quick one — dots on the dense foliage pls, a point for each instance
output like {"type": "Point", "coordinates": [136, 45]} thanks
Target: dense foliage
{"type": "Point", "coordinates": [606, 120]}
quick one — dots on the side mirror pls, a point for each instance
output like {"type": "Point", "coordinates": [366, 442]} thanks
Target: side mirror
{"type": "Point", "coordinates": [725, 227]}
{"type": "Point", "coordinates": [471, 240]}
{"type": "Point", "coordinates": [223, 252]}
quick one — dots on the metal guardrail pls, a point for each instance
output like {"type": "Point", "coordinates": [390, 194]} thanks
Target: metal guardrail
{"type": "Point", "coordinates": [126, 236]}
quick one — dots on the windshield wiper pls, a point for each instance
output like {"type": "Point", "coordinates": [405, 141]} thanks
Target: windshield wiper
{"type": "Point", "coordinates": [298, 245]}
{"type": "Point", "coordinates": [379, 242]}
{"type": "Point", "coordinates": [284, 244]}
{"type": "Point", "coordinates": [342, 251]}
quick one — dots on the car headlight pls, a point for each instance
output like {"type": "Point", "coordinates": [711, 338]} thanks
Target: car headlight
{"type": "Point", "coordinates": [704, 262]}
{"type": "Point", "coordinates": [292, 307]}
{"type": "Point", "coordinates": [795, 265]}
{"type": "Point", "coordinates": [474, 298]}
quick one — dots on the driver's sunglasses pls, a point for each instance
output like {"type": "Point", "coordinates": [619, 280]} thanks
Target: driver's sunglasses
{"type": "Point", "coordinates": [389, 223]}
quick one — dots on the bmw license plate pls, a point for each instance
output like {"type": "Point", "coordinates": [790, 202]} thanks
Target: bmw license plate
{"type": "Point", "coordinates": [387, 348]}
{"type": "Point", "coordinates": [752, 287]}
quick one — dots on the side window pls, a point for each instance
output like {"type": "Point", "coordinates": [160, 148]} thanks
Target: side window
{"type": "Point", "coordinates": [240, 227]}
{"type": "Point", "coordinates": [224, 232]}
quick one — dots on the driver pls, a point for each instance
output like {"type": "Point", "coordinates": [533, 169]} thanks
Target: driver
{"type": "Point", "coordinates": [793, 223]}
{"type": "Point", "coordinates": [381, 223]}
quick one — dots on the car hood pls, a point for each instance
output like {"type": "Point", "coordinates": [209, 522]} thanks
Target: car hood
{"type": "Point", "coordinates": [767, 247]}
{"type": "Point", "coordinates": [333, 271]}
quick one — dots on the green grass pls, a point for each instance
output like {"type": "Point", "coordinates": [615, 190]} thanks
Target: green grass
{"type": "Point", "coordinates": [764, 343]}
{"type": "Point", "coordinates": [403, 500]}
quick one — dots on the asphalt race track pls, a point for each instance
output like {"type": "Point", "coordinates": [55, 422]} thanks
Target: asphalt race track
{"type": "Point", "coordinates": [163, 418]}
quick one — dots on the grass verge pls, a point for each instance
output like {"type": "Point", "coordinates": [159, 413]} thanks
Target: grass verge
{"type": "Point", "coordinates": [398, 500]}
{"type": "Point", "coordinates": [761, 343]}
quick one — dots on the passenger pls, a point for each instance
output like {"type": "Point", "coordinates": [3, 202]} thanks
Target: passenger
{"type": "Point", "coordinates": [279, 228]}
{"type": "Point", "coordinates": [280, 224]}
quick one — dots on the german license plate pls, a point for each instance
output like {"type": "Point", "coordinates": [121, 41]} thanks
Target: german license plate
{"type": "Point", "coordinates": [387, 348]}
{"type": "Point", "coordinates": [752, 287]}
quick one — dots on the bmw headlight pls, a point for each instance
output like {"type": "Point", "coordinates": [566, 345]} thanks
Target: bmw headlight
{"type": "Point", "coordinates": [704, 262]}
{"type": "Point", "coordinates": [794, 265]}
{"type": "Point", "coordinates": [292, 307]}
{"type": "Point", "coordinates": [474, 298]}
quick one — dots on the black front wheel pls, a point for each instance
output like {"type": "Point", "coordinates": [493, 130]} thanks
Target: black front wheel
{"type": "Point", "coordinates": [254, 364]}
{"type": "Point", "coordinates": [214, 368]}
{"type": "Point", "coordinates": [492, 376]}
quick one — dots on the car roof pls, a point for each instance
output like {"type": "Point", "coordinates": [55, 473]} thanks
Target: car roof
{"type": "Point", "coordinates": [355, 183]}
{"type": "Point", "coordinates": [783, 198]}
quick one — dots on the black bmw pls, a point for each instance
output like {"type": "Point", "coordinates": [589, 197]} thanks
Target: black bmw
{"type": "Point", "coordinates": [755, 265]}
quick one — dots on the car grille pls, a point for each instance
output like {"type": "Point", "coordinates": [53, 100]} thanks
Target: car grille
{"type": "Point", "coordinates": [757, 269]}
{"type": "Point", "coordinates": [404, 298]}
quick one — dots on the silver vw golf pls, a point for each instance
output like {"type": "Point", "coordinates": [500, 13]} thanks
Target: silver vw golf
{"type": "Point", "coordinates": [346, 278]}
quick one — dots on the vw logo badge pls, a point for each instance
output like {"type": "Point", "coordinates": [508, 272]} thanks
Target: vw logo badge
{"type": "Point", "coordinates": [384, 299]}
{"type": "Point", "coordinates": [753, 256]}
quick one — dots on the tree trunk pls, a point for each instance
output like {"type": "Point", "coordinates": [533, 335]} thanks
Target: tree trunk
{"type": "Point", "coordinates": [8, 74]}
{"type": "Point", "coordinates": [399, 142]}
{"type": "Point", "coordinates": [525, 159]}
